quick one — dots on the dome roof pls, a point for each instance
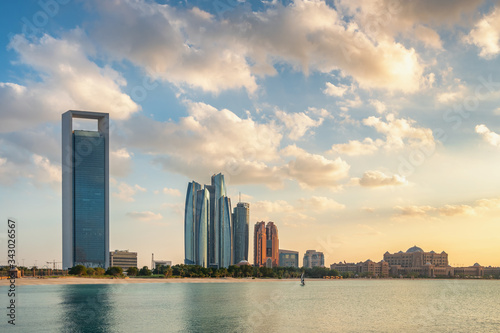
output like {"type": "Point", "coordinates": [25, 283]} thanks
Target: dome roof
{"type": "Point", "coordinates": [243, 263]}
{"type": "Point", "coordinates": [414, 249]}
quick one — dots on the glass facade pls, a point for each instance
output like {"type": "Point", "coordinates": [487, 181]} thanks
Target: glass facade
{"type": "Point", "coordinates": [89, 199]}
{"type": "Point", "coordinates": [208, 225]}
{"type": "Point", "coordinates": [226, 245]}
{"type": "Point", "coordinates": [201, 227]}
{"type": "Point", "coordinates": [241, 219]}
{"type": "Point", "coordinates": [189, 222]}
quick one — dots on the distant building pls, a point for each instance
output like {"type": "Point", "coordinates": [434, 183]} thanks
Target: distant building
{"type": "Point", "coordinates": [492, 271]}
{"type": "Point", "coordinates": [313, 258]}
{"type": "Point", "coordinates": [416, 257]}
{"type": "Point", "coordinates": [272, 243]}
{"type": "Point", "coordinates": [375, 269]}
{"type": "Point", "coordinates": [288, 258]}
{"type": "Point", "coordinates": [241, 219]}
{"type": "Point", "coordinates": [123, 259]}
{"type": "Point", "coordinates": [243, 263]}
{"type": "Point", "coordinates": [85, 192]}
{"type": "Point", "coordinates": [346, 267]}
{"type": "Point", "coordinates": [157, 263]}
{"type": "Point", "coordinates": [266, 245]}
{"type": "Point", "coordinates": [259, 244]}
{"type": "Point", "coordinates": [190, 222]}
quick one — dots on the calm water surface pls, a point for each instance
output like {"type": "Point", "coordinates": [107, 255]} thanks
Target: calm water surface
{"type": "Point", "coordinates": [283, 306]}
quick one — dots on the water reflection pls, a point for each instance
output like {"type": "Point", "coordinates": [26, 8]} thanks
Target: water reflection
{"type": "Point", "coordinates": [87, 308]}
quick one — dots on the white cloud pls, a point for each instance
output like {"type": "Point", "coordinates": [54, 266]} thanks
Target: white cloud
{"type": "Point", "coordinates": [187, 48]}
{"type": "Point", "coordinates": [398, 133]}
{"type": "Point", "coordinates": [242, 149]}
{"type": "Point", "coordinates": [489, 136]}
{"type": "Point", "coordinates": [333, 90]}
{"type": "Point", "coordinates": [312, 170]}
{"type": "Point", "coordinates": [452, 210]}
{"type": "Point", "coordinates": [356, 148]}
{"type": "Point", "coordinates": [379, 179]}
{"type": "Point", "coordinates": [413, 211]}
{"type": "Point", "coordinates": [126, 192]}
{"type": "Point", "coordinates": [68, 80]}
{"type": "Point", "coordinates": [316, 203]}
{"type": "Point", "coordinates": [47, 172]}
{"type": "Point", "coordinates": [297, 123]}
{"type": "Point", "coordinates": [278, 206]}
{"type": "Point", "coordinates": [479, 207]}
{"type": "Point", "coordinates": [378, 105]}
{"type": "Point", "coordinates": [486, 35]}
{"type": "Point", "coordinates": [401, 132]}
{"type": "Point", "coordinates": [384, 19]}
{"type": "Point", "coordinates": [172, 191]}
{"type": "Point", "coordinates": [429, 37]}
{"type": "Point", "coordinates": [453, 93]}
{"type": "Point", "coordinates": [120, 162]}
{"type": "Point", "coordinates": [323, 113]}
{"type": "Point", "coordinates": [178, 47]}
{"type": "Point", "coordinates": [347, 104]}
{"type": "Point", "coordinates": [145, 216]}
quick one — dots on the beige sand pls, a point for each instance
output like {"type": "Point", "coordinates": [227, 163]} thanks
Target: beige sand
{"type": "Point", "coordinates": [80, 280]}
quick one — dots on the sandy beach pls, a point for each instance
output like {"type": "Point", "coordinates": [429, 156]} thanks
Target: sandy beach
{"type": "Point", "coordinates": [83, 280]}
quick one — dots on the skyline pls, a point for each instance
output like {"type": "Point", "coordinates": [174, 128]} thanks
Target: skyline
{"type": "Point", "coordinates": [357, 127]}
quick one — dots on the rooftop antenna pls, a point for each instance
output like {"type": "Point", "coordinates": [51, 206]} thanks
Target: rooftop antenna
{"type": "Point", "coordinates": [240, 196]}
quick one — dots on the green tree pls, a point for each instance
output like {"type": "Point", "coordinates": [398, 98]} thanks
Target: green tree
{"type": "Point", "coordinates": [79, 270]}
{"type": "Point", "coordinates": [115, 271]}
{"type": "Point", "coordinates": [90, 271]}
{"type": "Point", "coordinates": [168, 271]}
{"type": "Point", "coordinates": [145, 271]}
{"type": "Point", "coordinates": [132, 271]}
{"type": "Point", "coordinates": [99, 271]}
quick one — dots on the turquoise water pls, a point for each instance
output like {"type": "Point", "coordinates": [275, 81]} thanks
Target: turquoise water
{"type": "Point", "coordinates": [282, 306]}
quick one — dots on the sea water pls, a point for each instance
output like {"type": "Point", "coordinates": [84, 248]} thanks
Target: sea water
{"type": "Point", "coordinates": [354, 305]}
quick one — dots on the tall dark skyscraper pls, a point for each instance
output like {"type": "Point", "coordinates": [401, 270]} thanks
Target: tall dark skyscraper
{"type": "Point", "coordinates": [241, 219]}
{"type": "Point", "coordinates": [208, 225]}
{"type": "Point", "coordinates": [85, 191]}
{"type": "Point", "coordinates": [190, 223]}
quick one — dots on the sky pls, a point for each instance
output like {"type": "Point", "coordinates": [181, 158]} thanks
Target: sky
{"type": "Point", "coordinates": [357, 126]}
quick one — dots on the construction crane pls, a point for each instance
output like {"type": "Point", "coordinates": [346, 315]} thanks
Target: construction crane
{"type": "Point", "coordinates": [54, 262]}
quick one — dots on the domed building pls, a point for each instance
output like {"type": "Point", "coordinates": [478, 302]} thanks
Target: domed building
{"type": "Point", "coordinates": [415, 249]}
{"type": "Point", "coordinates": [416, 257]}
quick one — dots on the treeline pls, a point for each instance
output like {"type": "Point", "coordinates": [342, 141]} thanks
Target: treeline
{"type": "Point", "coordinates": [202, 272]}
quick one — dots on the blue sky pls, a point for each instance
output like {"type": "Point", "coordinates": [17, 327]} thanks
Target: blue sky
{"type": "Point", "coordinates": [358, 127]}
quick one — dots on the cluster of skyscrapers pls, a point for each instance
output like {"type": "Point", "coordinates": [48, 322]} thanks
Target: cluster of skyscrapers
{"type": "Point", "coordinates": [213, 235]}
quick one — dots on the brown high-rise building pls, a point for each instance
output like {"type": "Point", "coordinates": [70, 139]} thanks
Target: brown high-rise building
{"type": "Point", "coordinates": [259, 244]}
{"type": "Point", "coordinates": [272, 244]}
{"type": "Point", "coordinates": [266, 244]}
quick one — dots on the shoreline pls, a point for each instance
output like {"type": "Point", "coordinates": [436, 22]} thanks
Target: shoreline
{"type": "Point", "coordinates": [95, 280]}
{"type": "Point", "coordinates": [73, 280]}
